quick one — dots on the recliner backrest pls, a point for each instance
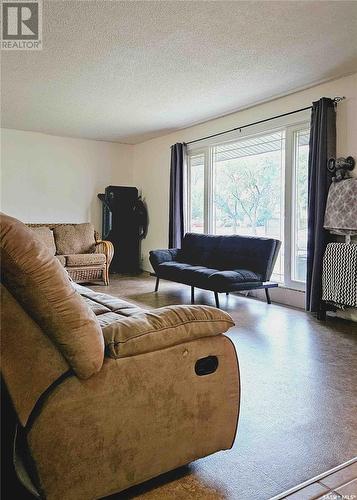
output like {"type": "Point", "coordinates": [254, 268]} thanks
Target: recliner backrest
{"type": "Point", "coordinates": [231, 252]}
{"type": "Point", "coordinates": [41, 285]}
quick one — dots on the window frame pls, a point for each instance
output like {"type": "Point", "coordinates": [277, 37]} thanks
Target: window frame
{"type": "Point", "coordinates": [288, 209]}
{"type": "Point", "coordinates": [290, 194]}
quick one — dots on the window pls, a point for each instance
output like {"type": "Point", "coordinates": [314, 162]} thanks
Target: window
{"type": "Point", "coordinates": [196, 181]}
{"type": "Point", "coordinates": [256, 185]}
{"type": "Point", "coordinates": [299, 227]}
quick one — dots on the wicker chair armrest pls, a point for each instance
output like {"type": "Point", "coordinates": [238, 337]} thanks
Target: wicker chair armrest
{"type": "Point", "coordinates": [106, 247]}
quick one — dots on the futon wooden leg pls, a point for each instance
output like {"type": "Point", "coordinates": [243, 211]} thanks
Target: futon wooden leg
{"type": "Point", "coordinates": [157, 284]}
{"type": "Point", "coordinates": [216, 299]}
{"type": "Point", "coordinates": [192, 294]}
{"type": "Point", "coordinates": [267, 295]}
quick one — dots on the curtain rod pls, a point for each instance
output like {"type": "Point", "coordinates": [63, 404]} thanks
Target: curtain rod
{"type": "Point", "coordinates": [335, 100]}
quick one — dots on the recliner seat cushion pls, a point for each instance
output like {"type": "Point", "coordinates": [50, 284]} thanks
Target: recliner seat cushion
{"type": "Point", "coordinates": [41, 285]}
{"type": "Point", "coordinates": [85, 259]}
{"type": "Point", "coordinates": [96, 307]}
{"type": "Point", "coordinates": [74, 238]}
{"type": "Point", "coordinates": [162, 328]}
{"type": "Point", "coordinates": [113, 304]}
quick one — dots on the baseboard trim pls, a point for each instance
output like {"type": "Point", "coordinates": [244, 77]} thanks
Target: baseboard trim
{"type": "Point", "coordinates": [313, 480]}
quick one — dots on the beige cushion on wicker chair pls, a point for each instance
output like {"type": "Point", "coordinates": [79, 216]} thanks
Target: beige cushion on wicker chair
{"type": "Point", "coordinates": [74, 238]}
{"type": "Point", "coordinates": [46, 236]}
{"type": "Point", "coordinates": [41, 285]}
{"type": "Point", "coordinates": [85, 259]}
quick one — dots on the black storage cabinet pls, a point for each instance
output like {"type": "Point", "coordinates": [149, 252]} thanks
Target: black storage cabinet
{"type": "Point", "coordinates": [124, 223]}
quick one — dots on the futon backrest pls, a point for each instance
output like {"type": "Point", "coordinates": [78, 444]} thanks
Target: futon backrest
{"type": "Point", "coordinates": [231, 252]}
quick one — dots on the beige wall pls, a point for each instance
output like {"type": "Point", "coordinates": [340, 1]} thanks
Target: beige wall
{"type": "Point", "coordinates": [47, 178]}
{"type": "Point", "coordinates": [152, 158]}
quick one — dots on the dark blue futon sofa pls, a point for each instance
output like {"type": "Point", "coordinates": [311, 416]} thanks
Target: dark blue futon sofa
{"type": "Point", "coordinates": [218, 263]}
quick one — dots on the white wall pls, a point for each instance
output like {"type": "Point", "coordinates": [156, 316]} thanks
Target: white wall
{"type": "Point", "coordinates": [56, 179]}
{"type": "Point", "coordinates": [152, 158]}
{"type": "Point", "coordinates": [47, 178]}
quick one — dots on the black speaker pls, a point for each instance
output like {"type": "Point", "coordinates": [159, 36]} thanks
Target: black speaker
{"type": "Point", "coordinates": [124, 223]}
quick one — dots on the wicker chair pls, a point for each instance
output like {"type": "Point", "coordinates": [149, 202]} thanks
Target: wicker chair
{"type": "Point", "coordinates": [85, 273]}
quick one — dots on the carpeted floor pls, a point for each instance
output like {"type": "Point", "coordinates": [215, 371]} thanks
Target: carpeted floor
{"type": "Point", "coordinates": [298, 414]}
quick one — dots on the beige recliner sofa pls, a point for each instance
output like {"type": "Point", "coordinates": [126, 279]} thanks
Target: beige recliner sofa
{"type": "Point", "coordinates": [107, 395]}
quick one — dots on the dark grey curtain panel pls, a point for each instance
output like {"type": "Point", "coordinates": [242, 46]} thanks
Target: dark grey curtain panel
{"type": "Point", "coordinates": [176, 213]}
{"type": "Point", "coordinates": [322, 147]}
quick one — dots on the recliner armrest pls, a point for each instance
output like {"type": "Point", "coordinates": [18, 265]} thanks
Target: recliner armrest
{"type": "Point", "coordinates": [152, 403]}
{"type": "Point", "coordinates": [161, 328]}
{"type": "Point", "coordinates": [157, 257]}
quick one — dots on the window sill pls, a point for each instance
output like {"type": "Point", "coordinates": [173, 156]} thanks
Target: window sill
{"type": "Point", "coordinates": [284, 295]}
{"type": "Point", "coordinates": [291, 287]}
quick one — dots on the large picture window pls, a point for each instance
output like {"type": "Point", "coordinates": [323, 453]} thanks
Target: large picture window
{"type": "Point", "coordinates": [256, 185]}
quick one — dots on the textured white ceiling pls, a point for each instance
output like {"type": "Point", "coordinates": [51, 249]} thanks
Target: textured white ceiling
{"type": "Point", "coordinates": [129, 71]}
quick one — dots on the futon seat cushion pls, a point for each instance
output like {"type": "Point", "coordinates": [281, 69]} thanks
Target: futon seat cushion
{"type": "Point", "coordinates": [224, 279]}
{"type": "Point", "coordinates": [178, 271]}
{"type": "Point", "coordinates": [85, 259]}
{"type": "Point", "coordinates": [206, 277]}
{"type": "Point", "coordinates": [173, 270]}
